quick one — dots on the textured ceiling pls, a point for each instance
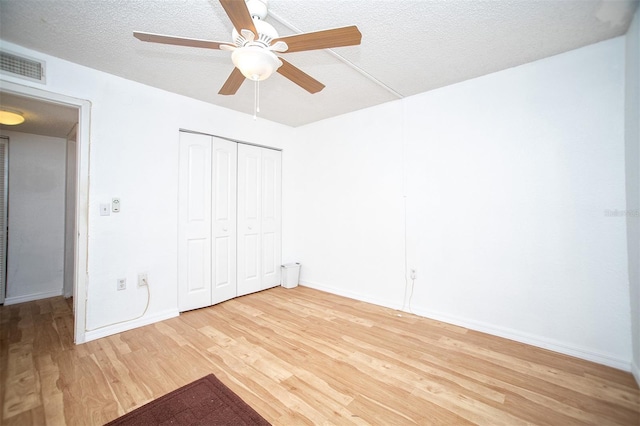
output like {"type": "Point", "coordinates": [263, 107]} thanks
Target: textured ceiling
{"type": "Point", "coordinates": [408, 46]}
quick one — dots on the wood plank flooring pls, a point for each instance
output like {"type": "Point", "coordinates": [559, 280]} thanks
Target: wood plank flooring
{"type": "Point", "coordinates": [301, 356]}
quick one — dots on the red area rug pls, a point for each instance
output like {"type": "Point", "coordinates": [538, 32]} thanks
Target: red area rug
{"type": "Point", "coordinates": [206, 401]}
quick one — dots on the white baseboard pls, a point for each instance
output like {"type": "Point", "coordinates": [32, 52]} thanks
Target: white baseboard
{"type": "Point", "coordinates": [32, 297]}
{"type": "Point", "coordinates": [351, 295]}
{"type": "Point", "coordinates": [518, 336]}
{"type": "Point", "coordinates": [529, 339]}
{"type": "Point", "coordinates": [635, 370]}
{"type": "Point", "coordinates": [129, 325]}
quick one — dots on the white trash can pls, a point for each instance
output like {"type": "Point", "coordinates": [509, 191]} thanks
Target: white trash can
{"type": "Point", "coordinates": [290, 275]}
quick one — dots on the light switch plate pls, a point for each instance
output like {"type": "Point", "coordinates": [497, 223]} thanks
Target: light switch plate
{"type": "Point", "coordinates": [104, 209]}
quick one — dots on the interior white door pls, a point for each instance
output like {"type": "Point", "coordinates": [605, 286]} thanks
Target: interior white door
{"type": "Point", "coordinates": [259, 223]}
{"type": "Point", "coordinates": [225, 158]}
{"type": "Point", "coordinates": [194, 221]}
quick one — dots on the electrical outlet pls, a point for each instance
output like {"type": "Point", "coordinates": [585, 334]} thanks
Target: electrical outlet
{"type": "Point", "coordinates": [413, 274]}
{"type": "Point", "coordinates": [142, 279]}
{"type": "Point", "coordinates": [122, 283]}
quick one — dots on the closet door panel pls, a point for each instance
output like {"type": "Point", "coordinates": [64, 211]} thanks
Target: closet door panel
{"type": "Point", "coordinates": [271, 200]}
{"type": "Point", "coordinates": [225, 157]}
{"type": "Point", "coordinates": [194, 223]}
{"type": "Point", "coordinates": [249, 212]}
{"type": "Point", "coordinates": [251, 255]}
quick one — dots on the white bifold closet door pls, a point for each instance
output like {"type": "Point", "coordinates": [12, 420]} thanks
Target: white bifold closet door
{"type": "Point", "coordinates": [259, 218]}
{"type": "Point", "coordinates": [229, 231]}
{"type": "Point", "coordinates": [207, 221]}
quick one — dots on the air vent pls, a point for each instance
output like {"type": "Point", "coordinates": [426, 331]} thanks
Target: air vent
{"type": "Point", "coordinates": [19, 66]}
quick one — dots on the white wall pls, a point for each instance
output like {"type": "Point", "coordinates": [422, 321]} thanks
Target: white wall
{"type": "Point", "coordinates": [134, 156]}
{"type": "Point", "coordinates": [632, 137]}
{"type": "Point", "coordinates": [508, 178]}
{"type": "Point", "coordinates": [36, 216]}
{"type": "Point", "coordinates": [344, 181]}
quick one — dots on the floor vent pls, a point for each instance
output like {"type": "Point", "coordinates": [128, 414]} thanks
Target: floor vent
{"type": "Point", "coordinates": [19, 66]}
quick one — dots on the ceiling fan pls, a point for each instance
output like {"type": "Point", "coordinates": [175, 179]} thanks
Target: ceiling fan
{"type": "Point", "coordinates": [254, 44]}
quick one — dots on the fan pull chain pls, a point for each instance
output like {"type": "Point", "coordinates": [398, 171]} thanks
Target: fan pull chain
{"type": "Point", "coordinates": [256, 99]}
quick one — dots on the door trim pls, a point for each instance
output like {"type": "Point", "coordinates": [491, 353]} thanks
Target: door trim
{"type": "Point", "coordinates": [3, 212]}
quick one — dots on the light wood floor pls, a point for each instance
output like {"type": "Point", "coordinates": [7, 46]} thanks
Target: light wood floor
{"type": "Point", "coordinates": [301, 356]}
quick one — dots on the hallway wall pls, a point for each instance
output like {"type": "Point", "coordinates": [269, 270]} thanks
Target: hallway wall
{"type": "Point", "coordinates": [36, 216]}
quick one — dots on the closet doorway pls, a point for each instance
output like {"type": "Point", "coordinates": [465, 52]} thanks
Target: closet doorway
{"type": "Point", "coordinates": [229, 229]}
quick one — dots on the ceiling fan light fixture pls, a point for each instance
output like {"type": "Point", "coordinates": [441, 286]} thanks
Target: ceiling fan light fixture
{"type": "Point", "coordinates": [11, 118]}
{"type": "Point", "coordinates": [255, 62]}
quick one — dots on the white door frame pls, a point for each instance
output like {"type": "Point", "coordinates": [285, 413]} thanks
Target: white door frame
{"type": "Point", "coordinates": [68, 270]}
{"type": "Point", "coordinates": [3, 220]}
{"type": "Point", "coordinates": [82, 194]}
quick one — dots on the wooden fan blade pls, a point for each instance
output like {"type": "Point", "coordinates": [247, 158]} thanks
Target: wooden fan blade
{"type": "Point", "coordinates": [300, 78]}
{"type": "Point", "coordinates": [325, 39]}
{"type": "Point", "coordinates": [233, 83]}
{"type": "Point", "coordinates": [179, 41]}
{"type": "Point", "coordinates": [239, 15]}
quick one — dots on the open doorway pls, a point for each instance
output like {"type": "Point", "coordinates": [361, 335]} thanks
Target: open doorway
{"type": "Point", "coordinates": [40, 206]}
{"type": "Point", "coordinates": [56, 136]}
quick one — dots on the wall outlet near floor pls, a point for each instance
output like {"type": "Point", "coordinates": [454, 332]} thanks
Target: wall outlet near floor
{"type": "Point", "coordinates": [122, 283]}
{"type": "Point", "coordinates": [142, 279]}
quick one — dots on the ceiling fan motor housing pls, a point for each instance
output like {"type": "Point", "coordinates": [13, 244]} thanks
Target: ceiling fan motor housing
{"type": "Point", "coordinates": [253, 55]}
{"type": "Point", "coordinates": [266, 33]}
